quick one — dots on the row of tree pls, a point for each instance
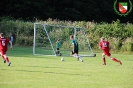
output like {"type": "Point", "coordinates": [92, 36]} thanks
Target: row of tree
{"type": "Point", "coordinates": [120, 35]}
{"type": "Point", "coordinates": [74, 10]}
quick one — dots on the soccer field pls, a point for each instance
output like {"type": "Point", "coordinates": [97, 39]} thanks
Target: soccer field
{"type": "Point", "coordinates": [29, 71]}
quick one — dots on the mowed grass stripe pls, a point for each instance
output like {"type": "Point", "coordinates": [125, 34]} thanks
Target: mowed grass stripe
{"type": "Point", "coordinates": [29, 71]}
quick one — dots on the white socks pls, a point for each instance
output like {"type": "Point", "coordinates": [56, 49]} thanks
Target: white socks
{"type": "Point", "coordinates": [78, 57]}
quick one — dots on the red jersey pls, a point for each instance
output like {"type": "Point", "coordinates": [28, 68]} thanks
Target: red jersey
{"type": "Point", "coordinates": [4, 43]}
{"type": "Point", "coordinates": [104, 45]}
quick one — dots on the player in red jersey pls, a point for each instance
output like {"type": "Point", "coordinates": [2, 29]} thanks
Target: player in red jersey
{"type": "Point", "coordinates": [3, 48]}
{"type": "Point", "coordinates": [104, 45]}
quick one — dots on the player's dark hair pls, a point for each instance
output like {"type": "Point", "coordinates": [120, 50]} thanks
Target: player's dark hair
{"type": "Point", "coordinates": [102, 38]}
{"type": "Point", "coordinates": [71, 36]}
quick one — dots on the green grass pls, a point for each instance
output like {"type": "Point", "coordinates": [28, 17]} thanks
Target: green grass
{"type": "Point", "coordinates": [28, 71]}
{"type": "Point", "coordinates": [46, 51]}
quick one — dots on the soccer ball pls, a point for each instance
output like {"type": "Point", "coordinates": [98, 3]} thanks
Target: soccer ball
{"type": "Point", "coordinates": [62, 59]}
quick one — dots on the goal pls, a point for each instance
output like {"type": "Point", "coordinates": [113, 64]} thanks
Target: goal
{"type": "Point", "coordinates": [46, 36]}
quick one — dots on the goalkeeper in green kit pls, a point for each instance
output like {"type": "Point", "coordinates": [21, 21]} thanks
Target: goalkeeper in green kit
{"type": "Point", "coordinates": [74, 46]}
{"type": "Point", "coordinates": [58, 44]}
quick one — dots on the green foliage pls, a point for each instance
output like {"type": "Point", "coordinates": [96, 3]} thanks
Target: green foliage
{"type": "Point", "coordinates": [24, 40]}
{"type": "Point", "coordinates": [117, 33]}
{"type": "Point", "coordinates": [41, 37]}
{"type": "Point", "coordinates": [127, 45]}
{"type": "Point", "coordinates": [21, 31]}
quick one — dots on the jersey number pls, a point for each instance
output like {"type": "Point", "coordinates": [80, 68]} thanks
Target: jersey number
{"type": "Point", "coordinates": [104, 44]}
{"type": "Point", "coordinates": [3, 43]}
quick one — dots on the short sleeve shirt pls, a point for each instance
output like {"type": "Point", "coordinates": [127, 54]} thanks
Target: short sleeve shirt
{"type": "Point", "coordinates": [75, 43]}
{"type": "Point", "coordinates": [4, 43]}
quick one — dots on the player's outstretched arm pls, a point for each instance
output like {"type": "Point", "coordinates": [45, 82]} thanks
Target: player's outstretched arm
{"type": "Point", "coordinates": [100, 46]}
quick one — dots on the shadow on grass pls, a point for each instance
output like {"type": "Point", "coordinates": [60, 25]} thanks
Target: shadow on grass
{"type": "Point", "coordinates": [47, 72]}
{"type": "Point", "coordinates": [50, 72]}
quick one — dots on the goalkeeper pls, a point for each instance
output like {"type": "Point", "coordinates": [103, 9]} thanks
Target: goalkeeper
{"type": "Point", "coordinates": [74, 46]}
{"type": "Point", "coordinates": [58, 44]}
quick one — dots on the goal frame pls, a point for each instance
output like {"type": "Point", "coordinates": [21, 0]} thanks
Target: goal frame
{"type": "Point", "coordinates": [75, 30]}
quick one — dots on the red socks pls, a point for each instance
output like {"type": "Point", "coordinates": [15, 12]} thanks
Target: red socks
{"type": "Point", "coordinates": [5, 58]}
{"type": "Point", "coordinates": [114, 59]}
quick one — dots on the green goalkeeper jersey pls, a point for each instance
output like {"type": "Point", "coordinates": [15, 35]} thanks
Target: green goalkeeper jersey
{"type": "Point", "coordinates": [75, 44]}
{"type": "Point", "coordinates": [58, 44]}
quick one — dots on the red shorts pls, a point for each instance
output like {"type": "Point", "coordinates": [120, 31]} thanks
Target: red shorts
{"type": "Point", "coordinates": [106, 52]}
{"type": "Point", "coordinates": [3, 51]}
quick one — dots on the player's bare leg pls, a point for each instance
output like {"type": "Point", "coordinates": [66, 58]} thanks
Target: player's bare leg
{"type": "Point", "coordinates": [78, 57]}
{"type": "Point", "coordinates": [74, 55]}
{"type": "Point", "coordinates": [103, 58]}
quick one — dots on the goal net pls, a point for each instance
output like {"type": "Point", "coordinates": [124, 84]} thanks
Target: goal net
{"type": "Point", "coordinates": [46, 36]}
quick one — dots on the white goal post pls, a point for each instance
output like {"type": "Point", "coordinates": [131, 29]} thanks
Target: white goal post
{"type": "Point", "coordinates": [45, 37]}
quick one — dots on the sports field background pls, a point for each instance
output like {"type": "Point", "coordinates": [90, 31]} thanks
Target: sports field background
{"type": "Point", "coordinates": [29, 71]}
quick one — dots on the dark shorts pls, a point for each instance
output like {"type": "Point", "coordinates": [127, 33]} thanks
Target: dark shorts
{"type": "Point", "coordinates": [57, 48]}
{"type": "Point", "coordinates": [75, 51]}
